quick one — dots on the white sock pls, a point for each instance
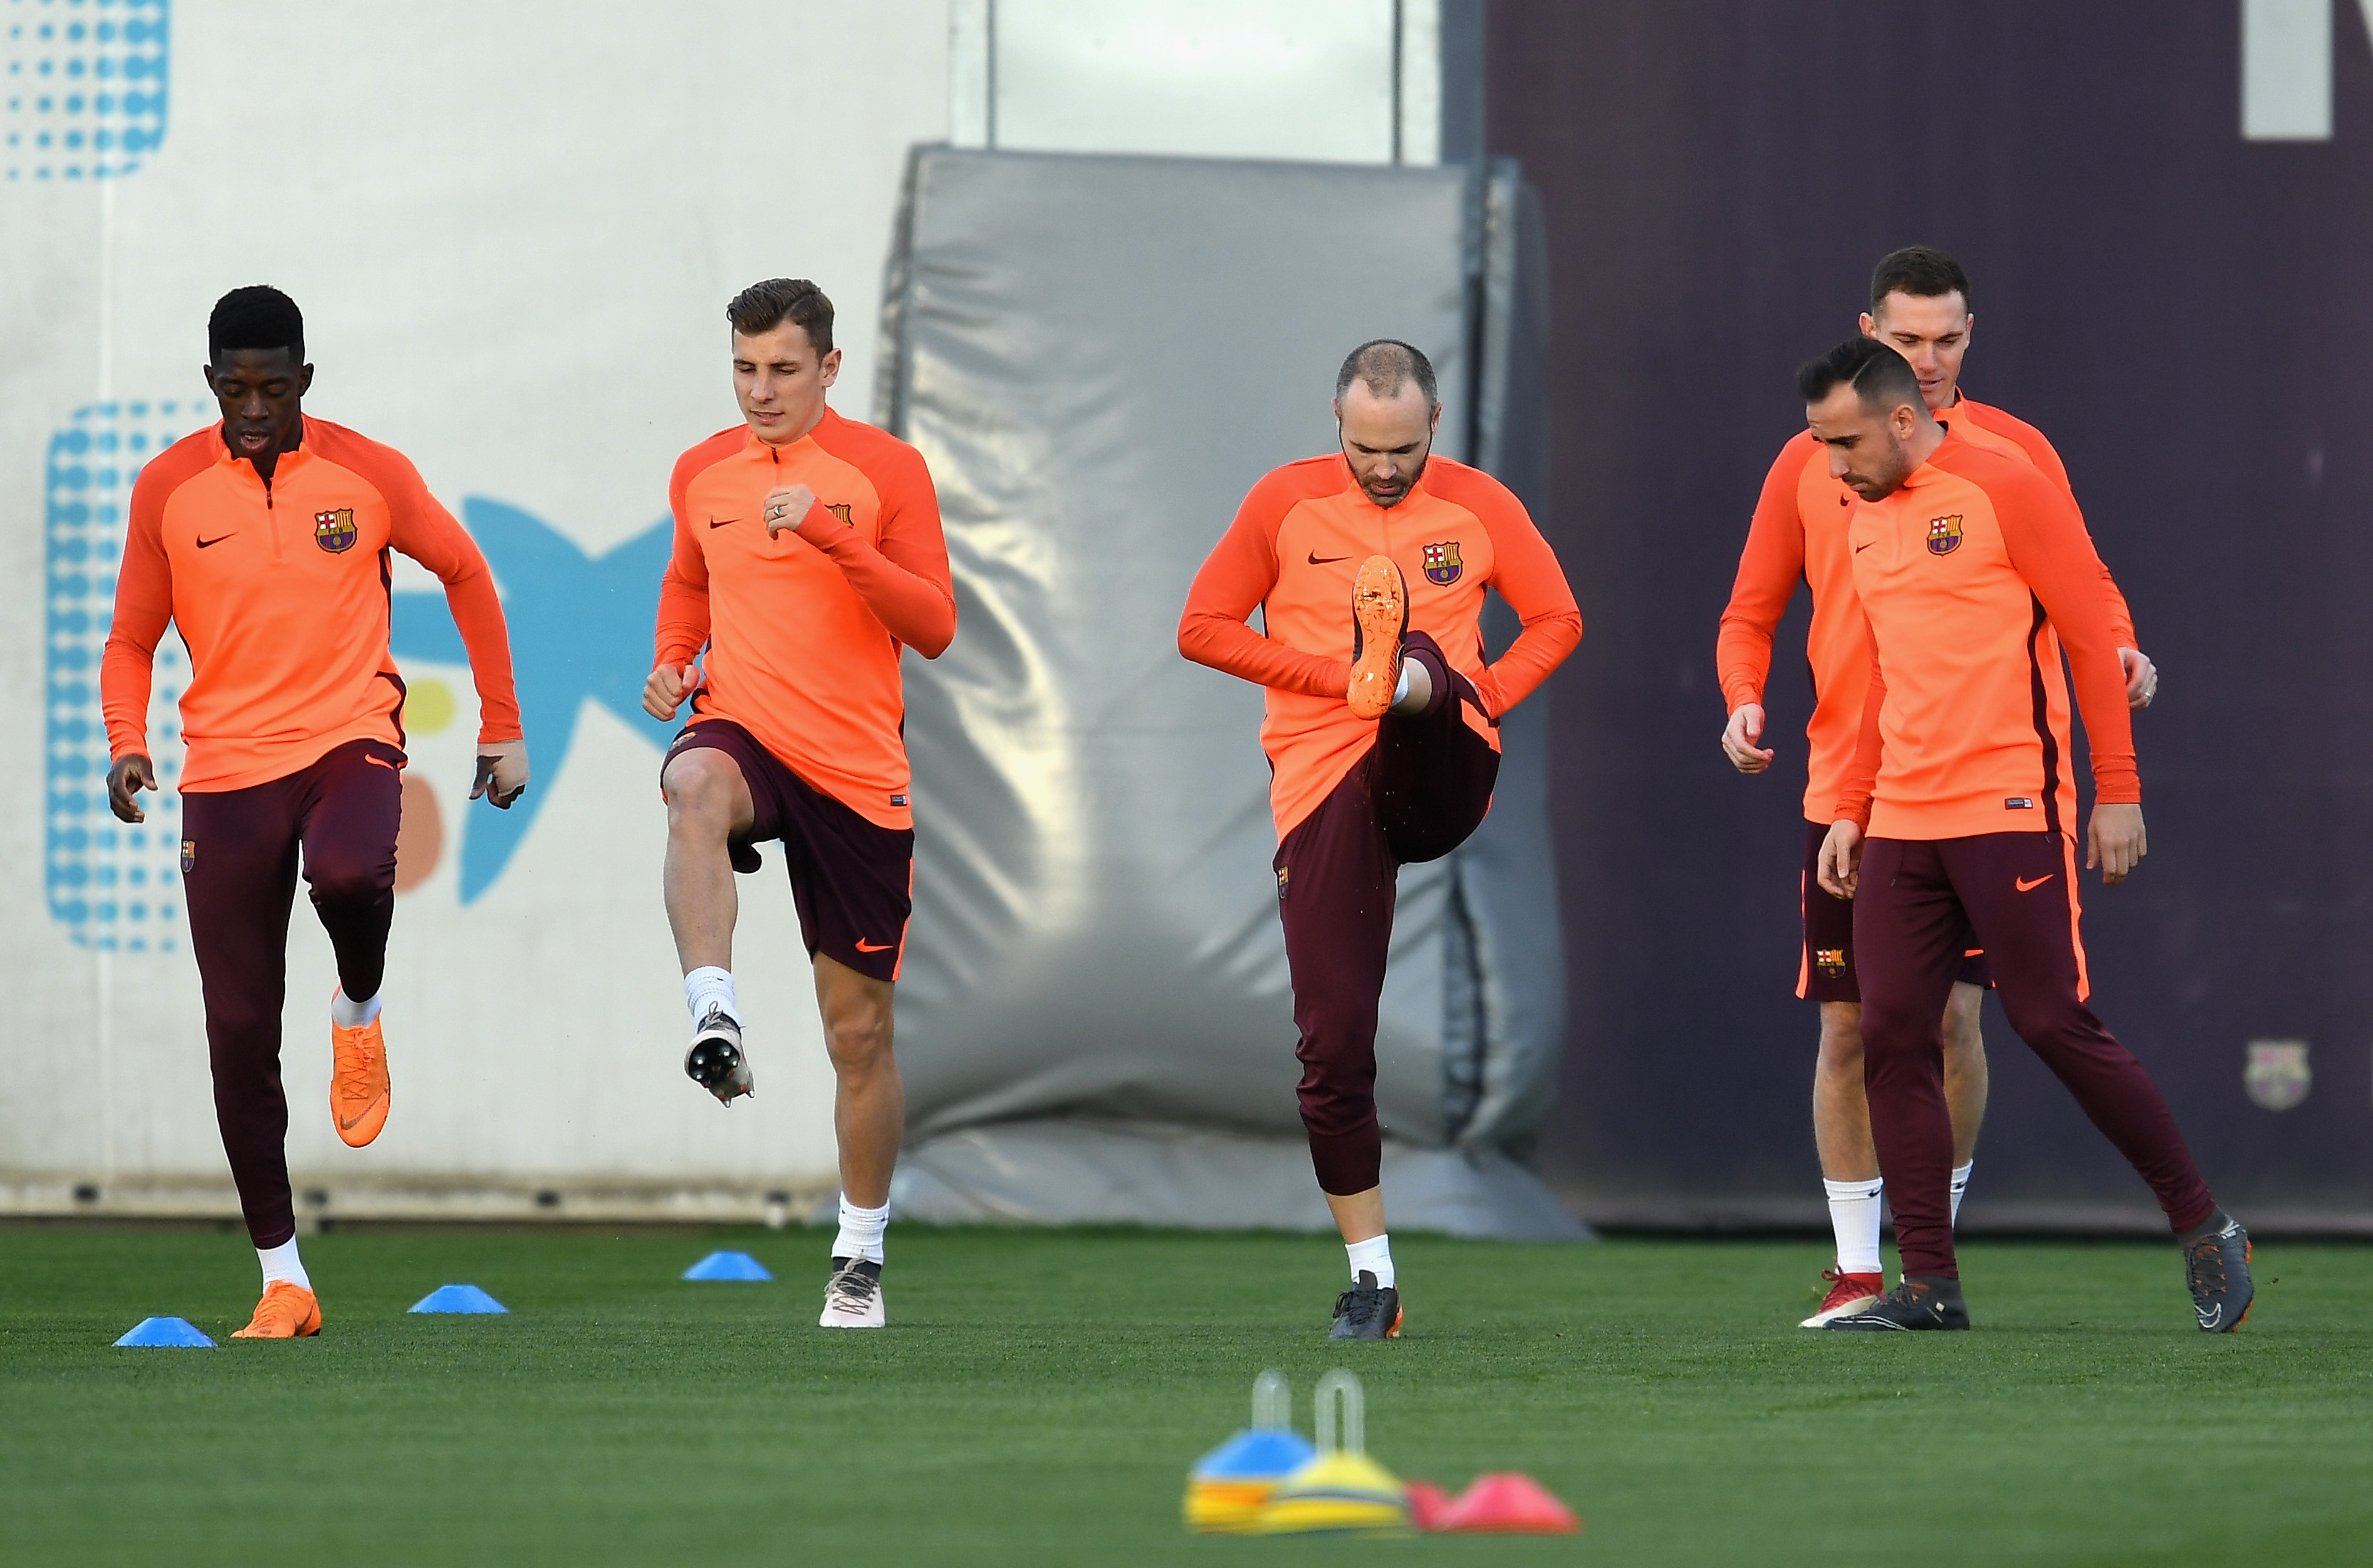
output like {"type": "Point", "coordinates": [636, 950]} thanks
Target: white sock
{"type": "Point", "coordinates": [347, 1013]}
{"type": "Point", "coordinates": [860, 1231]}
{"type": "Point", "coordinates": [282, 1266]}
{"type": "Point", "coordinates": [1400, 692]}
{"type": "Point", "coordinates": [1854, 1215]}
{"type": "Point", "coordinates": [711, 987]}
{"type": "Point", "coordinates": [1960, 1185]}
{"type": "Point", "coordinates": [1375, 1255]}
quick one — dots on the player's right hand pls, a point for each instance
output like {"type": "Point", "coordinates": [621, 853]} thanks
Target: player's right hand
{"type": "Point", "coordinates": [663, 692]}
{"type": "Point", "coordinates": [124, 781]}
{"type": "Point", "coordinates": [1841, 861]}
{"type": "Point", "coordinates": [1738, 738]}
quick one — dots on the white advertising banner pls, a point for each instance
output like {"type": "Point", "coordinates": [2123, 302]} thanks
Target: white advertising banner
{"type": "Point", "coordinates": [513, 230]}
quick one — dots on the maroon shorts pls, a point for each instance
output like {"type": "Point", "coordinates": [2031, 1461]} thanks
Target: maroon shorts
{"type": "Point", "coordinates": [1826, 970]}
{"type": "Point", "coordinates": [853, 880]}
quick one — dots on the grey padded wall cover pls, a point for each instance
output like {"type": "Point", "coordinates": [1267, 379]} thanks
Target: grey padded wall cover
{"type": "Point", "coordinates": [1099, 356]}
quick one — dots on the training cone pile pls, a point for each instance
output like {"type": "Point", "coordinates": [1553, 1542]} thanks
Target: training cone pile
{"type": "Point", "coordinates": [1341, 1489]}
{"type": "Point", "coordinates": [1509, 1504]}
{"type": "Point", "coordinates": [1228, 1486]}
{"type": "Point", "coordinates": [728, 1266]}
{"type": "Point", "coordinates": [165, 1334]}
{"type": "Point", "coordinates": [458, 1298]}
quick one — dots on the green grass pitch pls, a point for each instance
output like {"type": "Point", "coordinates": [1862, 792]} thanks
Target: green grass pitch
{"type": "Point", "coordinates": [1040, 1394]}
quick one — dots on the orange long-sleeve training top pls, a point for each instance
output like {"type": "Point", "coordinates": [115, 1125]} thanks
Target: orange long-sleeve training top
{"type": "Point", "coordinates": [281, 592]}
{"type": "Point", "coordinates": [1957, 573]}
{"type": "Point", "coordinates": [1799, 534]}
{"type": "Point", "coordinates": [1293, 552]}
{"type": "Point", "coordinates": [804, 628]}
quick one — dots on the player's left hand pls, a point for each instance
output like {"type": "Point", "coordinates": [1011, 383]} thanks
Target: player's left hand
{"type": "Point", "coordinates": [2142, 677]}
{"type": "Point", "coordinates": [1740, 735]}
{"type": "Point", "coordinates": [787, 508]}
{"type": "Point", "coordinates": [502, 772]}
{"type": "Point", "coordinates": [1841, 861]}
{"type": "Point", "coordinates": [2115, 841]}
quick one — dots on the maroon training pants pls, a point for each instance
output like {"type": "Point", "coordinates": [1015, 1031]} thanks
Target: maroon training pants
{"type": "Point", "coordinates": [1919, 906]}
{"type": "Point", "coordinates": [1415, 797]}
{"type": "Point", "coordinates": [239, 873]}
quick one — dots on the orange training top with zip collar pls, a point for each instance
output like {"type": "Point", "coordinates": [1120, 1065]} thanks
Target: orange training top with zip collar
{"type": "Point", "coordinates": [280, 591]}
{"type": "Point", "coordinates": [804, 628]}
{"type": "Point", "coordinates": [1293, 552]}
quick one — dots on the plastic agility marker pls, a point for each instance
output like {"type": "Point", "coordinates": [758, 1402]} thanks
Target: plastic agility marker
{"type": "Point", "coordinates": [1228, 1486]}
{"type": "Point", "coordinates": [166, 1333]}
{"type": "Point", "coordinates": [458, 1298]}
{"type": "Point", "coordinates": [728, 1266]}
{"type": "Point", "coordinates": [1342, 1489]}
{"type": "Point", "coordinates": [1509, 1502]}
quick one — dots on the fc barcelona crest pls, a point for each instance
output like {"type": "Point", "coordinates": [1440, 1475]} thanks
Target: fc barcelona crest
{"type": "Point", "coordinates": [2278, 1076]}
{"type": "Point", "coordinates": [189, 855]}
{"type": "Point", "coordinates": [1831, 961]}
{"type": "Point", "coordinates": [1943, 535]}
{"type": "Point", "coordinates": [1443, 565]}
{"type": "Point", "coordinates": [336, 531]}
{"type": "Point", "coordinates": [841, 510]}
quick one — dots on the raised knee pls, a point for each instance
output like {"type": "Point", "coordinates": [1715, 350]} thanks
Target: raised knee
{"type": "Point", "coordinates": [342, 884]}
{"type": "Point", "coordinates": [699, 791]}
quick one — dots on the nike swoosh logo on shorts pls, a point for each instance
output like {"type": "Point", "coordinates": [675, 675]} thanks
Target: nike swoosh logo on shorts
{"type": "Point", "coordinates": [382, 761]}
{"type": "Point", "coordinates": [1318, 560]}
{"type": "Point", "coordinates": [210, 544]}
{"type": "Point", "coordinates": [865, 946]}
{"type": "Point", "coordinates": [2026, 887]}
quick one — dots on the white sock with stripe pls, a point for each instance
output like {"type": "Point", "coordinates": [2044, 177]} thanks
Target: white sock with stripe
{"type": "Point", "coordinates": [1960, 1185]}
{"type": "Point", "coordinates": [711, 987]}
{"type": "Point", "coordinates": [860, 1231]}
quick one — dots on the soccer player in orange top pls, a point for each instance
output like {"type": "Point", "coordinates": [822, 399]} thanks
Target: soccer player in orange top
{"type": "Point", "coordinates": [1961, 778]}
{"type": "Point", "coordinates": [808, 553]}
{"type": "Point", "coordinates": [1368, 567]}
{"type": "Point", "coordinates": [264, 539]}
{"type": "Point", "coordinates": [1920, 307]}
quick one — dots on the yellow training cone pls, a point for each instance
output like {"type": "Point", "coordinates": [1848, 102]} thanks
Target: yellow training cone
{"type": "Point", "coordinates": [1342, 1489]}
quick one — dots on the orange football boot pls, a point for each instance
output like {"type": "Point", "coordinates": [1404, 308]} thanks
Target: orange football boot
{"type": "Point", "coordinates": [286, 1311]}
{"type": "Point", "coordinates": [1379, 616]}
{"type": "Point", "coordinates": [359, 1087]}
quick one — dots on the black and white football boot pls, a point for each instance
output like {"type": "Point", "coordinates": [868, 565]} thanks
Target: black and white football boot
{"type": "Point", "coordinates": [853, 1298]}
{"type": "Point", "coordinates": [715, 1060]}
{"type": "Point", "coordinates": [2216, 1267]}
{"type": "Point", "coordinates": [1367, 1311]}
{"type": "Point", "coordinates": [1922, 1301]}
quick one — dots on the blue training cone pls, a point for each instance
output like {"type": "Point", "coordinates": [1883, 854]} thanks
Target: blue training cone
{"type": "Point", "coordinates": [728, 1266]}
{"type": "Point", "coordinates": [458, 1298]}
{"type": "Point", "coordinates": [166, 1333]}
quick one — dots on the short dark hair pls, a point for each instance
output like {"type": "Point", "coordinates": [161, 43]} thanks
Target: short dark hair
{"type": "Point", "coordinates": [1883, 378]}
{"type": "Point", "coordinates": [258, 316]}
{"type": "Point", "coordinates": [1921, 271]}
{"type": "Point", "coordinates": [1387, 365]}
{"type": "Point", "coordinates": [763, 306]}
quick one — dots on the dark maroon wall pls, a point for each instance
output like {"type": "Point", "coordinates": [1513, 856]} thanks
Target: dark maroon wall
{"type": "Point", "coordinates": [2188, 317]}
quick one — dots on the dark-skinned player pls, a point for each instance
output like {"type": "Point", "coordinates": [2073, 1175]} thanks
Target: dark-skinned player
{"type": "Point", "coordinates": [264, 540]}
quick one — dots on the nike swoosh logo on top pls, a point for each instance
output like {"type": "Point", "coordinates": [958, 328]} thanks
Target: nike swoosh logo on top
{"type": "Point", "coordinates": [714, 523]}
{"type": "Point", "coordinates": [2026, 887]}
{"type": "Point", "coordinates": [209, 543]}
{"type": "Point", "coordinates": [1318, 560]}
{"type": "Point", "coordinates": [865, 946]}
{"type": "Point", "coordinates": [1859, 548]}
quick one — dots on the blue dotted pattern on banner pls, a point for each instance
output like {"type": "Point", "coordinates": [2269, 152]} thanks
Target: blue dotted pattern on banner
{"type": "Point", "coordinates": [83, 86]}
{"type": "Point", "coordinates": [113, 885]}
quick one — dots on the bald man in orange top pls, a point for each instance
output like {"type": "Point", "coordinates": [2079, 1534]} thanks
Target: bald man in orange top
{"type": "Point", "coordinates": [265, 540]}
{"type": "Point", "coordinates": [1920, 307]}
{"type": "Point", "coordinates": [808, 554]}
{"type": "Point", "coordinates": [1369, 568]}
{"type": "Point", "coordinates": [1960, 779]}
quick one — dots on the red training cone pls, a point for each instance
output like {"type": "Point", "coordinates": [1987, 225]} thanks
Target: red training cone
{"type": "Point", "coordinates": [1510, 1503]}
{"type": "Point", "coordinates": [1427, 1505]}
